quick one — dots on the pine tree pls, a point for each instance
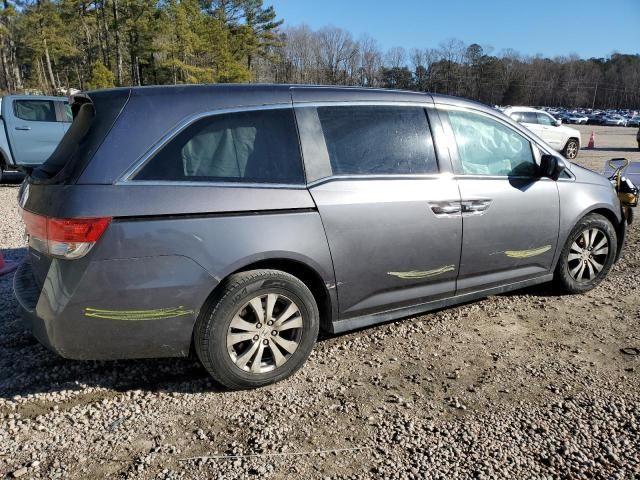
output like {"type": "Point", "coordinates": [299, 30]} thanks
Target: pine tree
{"type": "Point", "coordinates": [101, 77]}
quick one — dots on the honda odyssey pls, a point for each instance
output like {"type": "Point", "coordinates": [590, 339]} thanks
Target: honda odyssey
{"type": "Point", "coordinates": [240, 220]}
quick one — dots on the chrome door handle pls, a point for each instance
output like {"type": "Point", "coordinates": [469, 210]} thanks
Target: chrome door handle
{"type": "Point", "coordinates": [446, 207]}
{"type": "Point", "coordinates": [23, 127]}
{"type": "Point", "coordinates": [475, 206]}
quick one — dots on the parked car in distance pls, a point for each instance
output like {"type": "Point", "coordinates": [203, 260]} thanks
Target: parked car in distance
{"type": "Point", "coordinates": [563, 139]}
{"type": "Point", "coordinates": [634, 121]}
{"type": "Point", "coordinates": [596, 119]}
{"type": "Point", "coordinates": [577, 118]}
{"type": "Point", "coordinates": [238, 220]}
{"type": "Point", "coordinates": [30, 129]}
{"type": "Point", "coordinates": [615, 120]}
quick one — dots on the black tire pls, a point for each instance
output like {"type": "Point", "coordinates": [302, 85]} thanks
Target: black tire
{"type": "Point", "coordinates": [571, 149]}
{"type": "Point", "coordinates": [232, 300]}
{"type": "Point", "coordinates": [563, 273]}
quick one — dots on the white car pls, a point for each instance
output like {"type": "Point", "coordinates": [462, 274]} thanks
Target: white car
{"type": "Point", "coordinates": [565, 140]}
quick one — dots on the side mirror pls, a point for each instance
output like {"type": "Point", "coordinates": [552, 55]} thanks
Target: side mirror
{"type": "Point", "coordinates": [551, 166]}
{"type": "Point", "coordinates": [557, 123]}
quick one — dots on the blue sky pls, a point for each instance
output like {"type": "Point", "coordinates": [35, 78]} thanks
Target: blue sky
{"type": "Point", "coordinates": [589, 28]}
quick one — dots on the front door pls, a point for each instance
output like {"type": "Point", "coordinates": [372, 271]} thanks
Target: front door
{"type": "Point", "coordinates": [33, 130]}
{"type": "Point", "coordinates": [550, 132]}
{"type": "Point", "coordinates": [391, 219]}
{"type": "Point", "coordinates": [510, 216]}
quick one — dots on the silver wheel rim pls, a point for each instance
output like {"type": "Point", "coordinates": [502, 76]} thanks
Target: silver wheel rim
{"type": "Point", "coordinates": [588, 255]}
{"type": "Point", "coordinates": [264, 333]}
{"type": "Point", "coordinates": [572, 150]}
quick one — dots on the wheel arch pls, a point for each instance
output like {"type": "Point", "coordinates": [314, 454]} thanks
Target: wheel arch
{"type": "Point", "coordinates": [618, 225]}
{"type": "Point", "coordinates": [324, 293]}
{"type": "Point", "coordinates": [617, 222]}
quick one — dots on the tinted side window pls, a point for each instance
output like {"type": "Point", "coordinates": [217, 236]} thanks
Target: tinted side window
{"type": "Point", "coordinates": [517, 116]}
{"type": "Point", "coordinates": [487, 147]}
{"type": "Point", "coordinates": [529, 117]}
{"type": "Point", "coordinates": [258, 146]}
{"type": "Point", "coordinates": [378, 140]}
{"type": "Point", "coordinates": [544, 119]}
{"type": "Point", "coordinates": [68, 114]}
{"type": "Point", "coordinates": [35, 110]}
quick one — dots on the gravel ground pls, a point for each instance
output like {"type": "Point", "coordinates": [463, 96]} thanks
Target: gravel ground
{"type": "Point", "coordinates": [528, 384]}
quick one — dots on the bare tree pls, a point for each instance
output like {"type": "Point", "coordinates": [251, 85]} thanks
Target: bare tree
{"type": "Point", "coordinates": [370, 58]}
{"type": "Point", "coordinates": [335, 49]}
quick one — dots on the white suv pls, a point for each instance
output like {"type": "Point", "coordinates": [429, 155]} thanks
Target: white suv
{"type": "Point", "coordinates": [564, 139]}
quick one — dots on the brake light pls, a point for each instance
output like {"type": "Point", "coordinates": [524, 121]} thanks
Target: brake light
{"type": "Point", "coordinates": [67, 238]}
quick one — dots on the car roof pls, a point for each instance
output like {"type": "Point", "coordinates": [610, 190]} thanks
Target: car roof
{"type": "Point", "coordinates": [523, 109]}
{"type": "Point", "coordinates": [34, 97]}
{"type": "Point", "coordinates": [251, 94]}
{"type": "Point", "coordinates": [218, 96]}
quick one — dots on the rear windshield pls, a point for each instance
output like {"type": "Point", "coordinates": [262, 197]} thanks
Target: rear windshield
{"type": "Point", "coordinates": [93, 116]}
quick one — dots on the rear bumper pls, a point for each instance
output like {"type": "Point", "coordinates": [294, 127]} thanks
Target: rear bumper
{"type": "Point", "coordinates": [27, 292]}
{"type": "Point", "coordinates": [113, 309]}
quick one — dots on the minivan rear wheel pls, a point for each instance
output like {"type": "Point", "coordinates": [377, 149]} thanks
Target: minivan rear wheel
{"type": "Point", "coordinates": [258, 329]}
{"type": "Point", "coordinates": [588, 254]}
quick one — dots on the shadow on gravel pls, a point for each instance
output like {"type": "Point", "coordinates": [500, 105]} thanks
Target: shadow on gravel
{"type": "Point", "coordinates": [13, 255]}
{"type": "Point", "coordinates": [611, 149]}
{"type": "Point", "coordinates": [542, 290]}
{"type": "Point", "coordinates": [10, 179]}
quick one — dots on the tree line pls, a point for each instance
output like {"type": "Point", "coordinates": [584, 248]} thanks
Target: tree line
{"type": "Point", "coordinates": [51, 45]}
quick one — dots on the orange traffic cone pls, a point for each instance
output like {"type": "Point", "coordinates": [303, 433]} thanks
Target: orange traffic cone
{"type": "Point", "coordinates": [592, 140]}
{"type": "Point", "coordinates": [6, 267]}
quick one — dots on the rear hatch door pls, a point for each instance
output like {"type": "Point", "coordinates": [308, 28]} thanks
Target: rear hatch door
{"type": "Point", "coordinates": [49, 185]}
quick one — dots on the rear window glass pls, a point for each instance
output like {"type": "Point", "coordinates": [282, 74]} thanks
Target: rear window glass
{"type": "Point", "coordinates": [378, 140]}
{"type": "Point", "coordinates": [253, 147]}
{"type": "Point", "coordinates": [35, 110]}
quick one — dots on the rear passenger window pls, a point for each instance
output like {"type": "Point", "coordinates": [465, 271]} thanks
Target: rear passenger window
{"type": "Point", "coordinates": [516, 116]}
{"type": "Point", "coordinates": [35, 110]}
{"type": "Point", "coordinates": [378, 140]}
{"type": "Point", "coordinates": [254, 147]}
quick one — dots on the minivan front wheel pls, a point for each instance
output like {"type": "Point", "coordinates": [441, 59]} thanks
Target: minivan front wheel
{"type": "Point", "coordinates": [258, 329]}
{"type": "Point", "coordinates": [571, 149]}
{"type": "Point", "coordinates": [588, 254]}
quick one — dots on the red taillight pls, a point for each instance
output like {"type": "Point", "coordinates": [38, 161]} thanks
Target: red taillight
{"type": "Point", "coordinates": [36, 225]}
{"type": "Point", "coordinates": [77, 229]}
{"type": "Point", "coordinates": [64, 237]}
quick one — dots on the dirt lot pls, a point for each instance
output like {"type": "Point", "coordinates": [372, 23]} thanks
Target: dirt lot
{"type": "Point", "coordinates": [529, 385]}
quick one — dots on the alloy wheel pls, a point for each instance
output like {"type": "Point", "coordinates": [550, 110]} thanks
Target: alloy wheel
{"type": "Point", "coordinates": [264, 333]}
{"type": "Point", "coordinates": [588, 255]}
{"type": "Point", "coordinates": [572, 150]}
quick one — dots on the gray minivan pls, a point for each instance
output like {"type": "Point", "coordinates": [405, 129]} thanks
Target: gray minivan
{"type": "Point", "coordinates": [239, 220]}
